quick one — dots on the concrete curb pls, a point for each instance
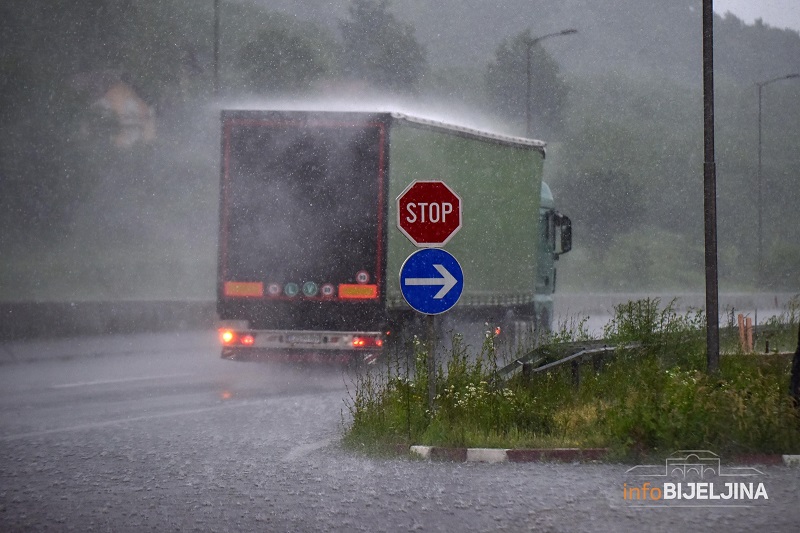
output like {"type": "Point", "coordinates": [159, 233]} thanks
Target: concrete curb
{"type": "Point", "coordinates": [791, 460]}
{"type": "Point", "coordinates": [561, 455]}
{"type": "Point", "coordinates": [502, 455]}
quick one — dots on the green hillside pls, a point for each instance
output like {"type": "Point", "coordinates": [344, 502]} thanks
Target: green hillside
{"type": "Point", "coordinates": [619, 102]}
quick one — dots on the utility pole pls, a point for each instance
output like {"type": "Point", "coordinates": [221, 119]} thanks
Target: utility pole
{"type": "Point", "coordinates": [529, 43]}
{"type": "Point", "coordinates": [710, 192]}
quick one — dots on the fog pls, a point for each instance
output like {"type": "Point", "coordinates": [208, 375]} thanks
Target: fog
{"type": "Point", "coordinates": [112, 183]}
{"type": "Point", "coordinates": [99, 205]}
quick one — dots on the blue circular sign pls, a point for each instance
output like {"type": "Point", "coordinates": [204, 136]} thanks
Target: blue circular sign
{"type": "Point", "coordinates": [431, 281]}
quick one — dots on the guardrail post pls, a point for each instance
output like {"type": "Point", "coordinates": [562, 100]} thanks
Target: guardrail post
{"type": "Point", "coordinates": [576, 373]}
{"type": "Point", "coordinates": [794, 380]}
{"type": "Point", "coordinates": [527, 372]}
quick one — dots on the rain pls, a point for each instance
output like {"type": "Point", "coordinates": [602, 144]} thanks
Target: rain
{"type": "Point", "coordinates": [127, 210]}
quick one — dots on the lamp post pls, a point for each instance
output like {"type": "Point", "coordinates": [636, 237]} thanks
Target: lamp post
{"type": "Point", "coordinates": [528, 47]}
{"type": "Point", "coordinates": [760, 86]}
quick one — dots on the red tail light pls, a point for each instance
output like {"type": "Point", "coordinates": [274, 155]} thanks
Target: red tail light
{"type": "Point", "coordinates": [367, 342]}
{"type": "Point", "coordinates": [229, 337]}
{"type": "Point", "coordinates": [247, 340]}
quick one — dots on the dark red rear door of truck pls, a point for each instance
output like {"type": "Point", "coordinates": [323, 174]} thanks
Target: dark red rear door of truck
{"type": "Point", "coordinates": [302, 219]}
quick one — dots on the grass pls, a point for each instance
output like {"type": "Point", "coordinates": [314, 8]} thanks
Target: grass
{"type": "Point", "coordinates": [654, 398]}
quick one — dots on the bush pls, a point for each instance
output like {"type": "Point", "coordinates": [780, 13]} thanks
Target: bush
{"type": "Point", "coordinates": [743, 409]}
{"type": "Point", "coordinates": [652, 396]}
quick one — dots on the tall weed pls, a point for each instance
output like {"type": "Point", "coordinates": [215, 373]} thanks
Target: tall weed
{"type": "Point", "coordinates": [653, 395]}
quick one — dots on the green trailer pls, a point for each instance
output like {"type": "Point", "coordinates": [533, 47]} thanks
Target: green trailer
{"type": "Point", "coordinates": [310, 252]}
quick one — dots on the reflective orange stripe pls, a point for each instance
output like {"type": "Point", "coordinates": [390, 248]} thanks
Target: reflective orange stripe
{"type": "Point", "coordinates": [244, 288]}
{"type": "Point", "coordinates": [358, 291]}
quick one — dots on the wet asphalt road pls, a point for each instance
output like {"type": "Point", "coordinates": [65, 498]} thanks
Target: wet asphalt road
{"type": "Point", "coordinates": [155, 433]}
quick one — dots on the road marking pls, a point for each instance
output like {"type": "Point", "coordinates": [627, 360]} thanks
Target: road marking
{"type": "Point", "coordinates": [120, 421]}
{"type": "Point", "coordinates": [115, 381]}
{"type": "Point", "coordinates": [227, 404]}
{"type": "Point", "coordinates": [305, 449]}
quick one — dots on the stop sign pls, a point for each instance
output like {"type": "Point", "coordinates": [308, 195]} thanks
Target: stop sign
{"type": "Point", "coordinates": [428, 213]}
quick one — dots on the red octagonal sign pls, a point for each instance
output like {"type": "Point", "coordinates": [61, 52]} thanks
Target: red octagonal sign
{"type": "Point", "coordinates": [428, 213]}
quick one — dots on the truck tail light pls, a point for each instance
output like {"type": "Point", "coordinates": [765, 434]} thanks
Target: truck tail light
{"type": "Point", "coordinates": [227, 336]}
{"type": "Point", "coordinates": [367, 342]}
{"type": "Point", "coordinates": [247, 340]}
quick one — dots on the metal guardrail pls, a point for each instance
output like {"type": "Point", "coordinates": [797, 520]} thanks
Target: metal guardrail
{"type": "Point", "coordinates": [541, 359]}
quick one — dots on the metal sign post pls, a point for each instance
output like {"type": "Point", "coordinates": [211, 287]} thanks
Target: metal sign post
{"type": "Point", "coordinates": [431, 280]}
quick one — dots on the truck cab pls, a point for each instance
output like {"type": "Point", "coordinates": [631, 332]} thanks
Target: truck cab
{"type": "Point", "coordinates": [555, 239]}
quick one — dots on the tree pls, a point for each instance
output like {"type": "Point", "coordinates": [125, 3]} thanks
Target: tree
{"type": "Point", "coordinates": [380, 49]}
{"type": "Point", "coordinates": [48, 165]}
{"type": "Point", "coordinates": [506, 80]}
{"type": "Point", "coordinates": [284, 57]}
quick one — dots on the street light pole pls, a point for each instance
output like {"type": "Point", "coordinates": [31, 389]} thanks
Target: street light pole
{"type": "Point", "coordinates": [760, 86]}
{"type": "Point", "coordinates": [529, 43]}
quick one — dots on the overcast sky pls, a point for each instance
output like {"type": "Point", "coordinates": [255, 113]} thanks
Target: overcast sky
{"type": "Point", "coordinates": [777, 13]}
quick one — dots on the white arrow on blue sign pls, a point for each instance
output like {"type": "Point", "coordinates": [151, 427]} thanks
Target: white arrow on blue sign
{"type": "Point", "coordinates": [431, 281]}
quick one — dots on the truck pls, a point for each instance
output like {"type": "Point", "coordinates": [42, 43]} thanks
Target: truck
{"type": "Point", "coordinates": [309, 248]}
